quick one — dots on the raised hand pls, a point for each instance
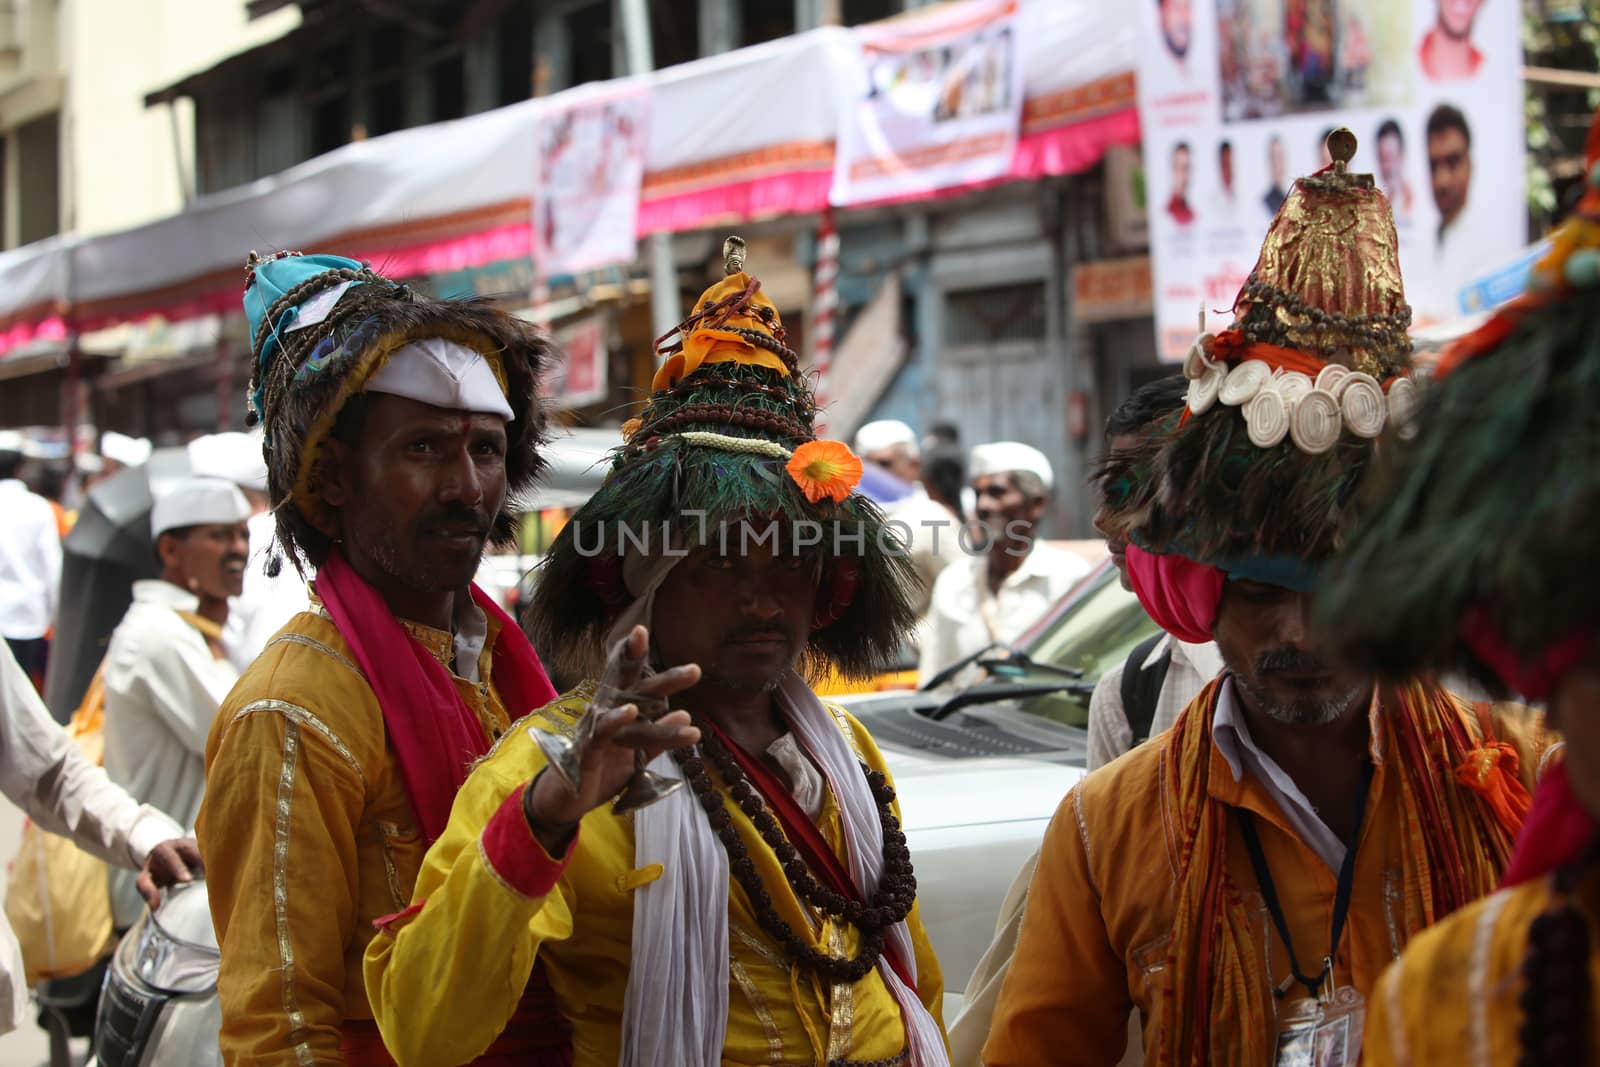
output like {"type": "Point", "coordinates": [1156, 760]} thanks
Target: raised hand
{"type": "Point", "coordinates": [613, 739]}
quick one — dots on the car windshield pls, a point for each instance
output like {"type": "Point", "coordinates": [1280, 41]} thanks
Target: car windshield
{"type": "Point", "coordinates": [1093, 631]}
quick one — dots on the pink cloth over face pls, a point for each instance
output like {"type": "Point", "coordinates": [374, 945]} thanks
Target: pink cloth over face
{"type": "Point", "coordinates": [1178, 593]}
{"type": "Point", "coordinates": [435, 736]}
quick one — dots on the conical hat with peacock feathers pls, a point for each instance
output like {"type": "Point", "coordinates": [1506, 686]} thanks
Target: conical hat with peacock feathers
{"type": "Point", "coordinates": [727, 435]}
{"type": "Point", "coordinates": [1284, 406]}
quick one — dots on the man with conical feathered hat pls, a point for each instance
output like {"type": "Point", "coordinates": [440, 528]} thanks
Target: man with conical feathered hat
{"type": "Point", "coordinates": [1479, 555]}
{"type": "Point", "coordinates": [1243, 878]}
{"type": "Point", "coordinates": [721, 884]}
{"type": "Point", "coordinates": [397, 431]}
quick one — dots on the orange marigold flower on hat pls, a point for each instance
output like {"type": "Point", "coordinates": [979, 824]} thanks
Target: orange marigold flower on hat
{"type": "Point", "coordinates": [630, 428]}
{"type": "Point", "coordinates": [824, 469]}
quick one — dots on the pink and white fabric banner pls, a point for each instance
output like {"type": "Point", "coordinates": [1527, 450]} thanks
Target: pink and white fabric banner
{"type": "Point", "coordinates": [579, 378]}
{"type": "Point", "coordinates": [590, 161]}
{"type": "Point", "coordinates": [936, 102]}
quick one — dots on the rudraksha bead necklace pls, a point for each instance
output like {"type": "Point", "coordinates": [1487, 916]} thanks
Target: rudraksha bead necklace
{"type": "Point", "coordinates": [897, 889]}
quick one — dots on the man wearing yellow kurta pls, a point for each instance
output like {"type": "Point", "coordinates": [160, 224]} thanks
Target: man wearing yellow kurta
{"type": "Point", "coordinates": [1500, 496]}
{"type": "Point", "coordinates": [392, 443]}
{"type": "Point", "coordinates": [1243, 879]}
{"type": "Point", "coordinates": [748, 898]}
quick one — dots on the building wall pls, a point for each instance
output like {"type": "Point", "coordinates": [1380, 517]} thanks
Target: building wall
{"type": "Point", "coordinates": [124, 164]}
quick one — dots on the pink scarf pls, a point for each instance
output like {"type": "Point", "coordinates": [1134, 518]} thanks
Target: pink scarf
{"type": "Point", "coordinates": [1179, 595]}
{"type": "Point", "coordinates": [435, 736]}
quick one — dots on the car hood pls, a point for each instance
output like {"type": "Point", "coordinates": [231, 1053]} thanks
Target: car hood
{"type": "Point", "coordinates": [942, 793]}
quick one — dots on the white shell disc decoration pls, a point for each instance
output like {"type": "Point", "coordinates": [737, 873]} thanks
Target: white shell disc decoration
{"type": "Point", "coordinates": [1267, 418]}
{"type": "Point", "coordinates": [1403, 403]}
{"type": "Point", "coordinates": [1293, 386]}
{"type": "Point", "coordinates": [1316, 424]}
{"type": "Point", "coordinates": [1196, 363]}
{"type": "Point", "coordinates": [1366, 409]}
{"type": "Point", "coordinates": [1244, 382]}
{"type": "Point", "coordinates": [1203, 390]}
{"type": "Point", "coordinates": [1331, 377]}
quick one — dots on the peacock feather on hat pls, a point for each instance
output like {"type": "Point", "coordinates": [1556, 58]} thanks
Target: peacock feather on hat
{"type": "Point", "coordinates": [1283, 407]}
{"type": "Point", "coordinates": [322, 327]}
{"type": "Point", "coordinates": [1483, 521]}
{"type": "Point", "coordinates": [727, 434]}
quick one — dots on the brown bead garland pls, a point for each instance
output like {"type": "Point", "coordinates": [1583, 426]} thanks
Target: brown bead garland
{"type": "Point", "coordinates": [896, 892]}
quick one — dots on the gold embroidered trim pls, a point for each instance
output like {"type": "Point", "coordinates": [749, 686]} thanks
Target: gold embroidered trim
{"type": "Point", "coordinates": [300, 716]}
{"type": "Point", "coordinates": [390, 832]}
{"type": "Point", "coordinates": [1076, 800]}
{"type": "Point", "coordinates": [1478, 1012]}
{"type": "Point", "coordinates": [1393, 895]}
{"type": "Point", "coordinates": [441, 645]}
{"type": "Point", "coordinates": [318, 646]}
{"type": "Point", "coordinates": [280, 894]}
{"type": "Point", "coordinates": [574, 700]}
{"type": "Point", "coordinates": [767, 953]}
{"type": "Point", "coordinates": [841, 1027]}
{"type": "Point", "coordinates": [758, 1005]}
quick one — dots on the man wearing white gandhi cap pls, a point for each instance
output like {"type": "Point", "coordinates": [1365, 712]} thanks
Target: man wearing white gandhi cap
{"type": "Point", "coordinates": [164, 670]}
{"type": "Point", "coordinates": [932, 532]}
{"type": "Point", "coordinates": [1010, 579]}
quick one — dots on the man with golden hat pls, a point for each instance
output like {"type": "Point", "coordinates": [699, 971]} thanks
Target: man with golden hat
{"type": "Point", "coordinates": [397, 429]}
{"type": "Point", "coordinates": [766, 913]}
{"type": "Point", "coordinates": [1243, 879]}
{"type": "Point", "coordinates": [1480, 555]}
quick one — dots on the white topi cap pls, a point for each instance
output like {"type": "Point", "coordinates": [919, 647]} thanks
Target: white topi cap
{"type": "Point", "coordinates": [11, 441]}
{"type": "Point", "coordinates": [128, 451]}
{"type": "Point", "coordinates": [233, 456]}
{"type": "Point", "coordinates": [1005, 457]}
{"type": "Point", "coordinates": [885, 433]}
{"type": "Point", "coordinates": [198, 502]}
{"type": "Point", "coordinates": [444, 374]}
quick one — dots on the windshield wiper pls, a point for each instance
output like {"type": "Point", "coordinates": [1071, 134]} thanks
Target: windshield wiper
{"type": "Point", "coordinates": [1009, 657]}
{"type": "Point", "coordinates": [989, 694]}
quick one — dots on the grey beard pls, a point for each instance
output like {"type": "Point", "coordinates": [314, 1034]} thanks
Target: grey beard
{"type": "Point", "coordinates": [1307, 712]}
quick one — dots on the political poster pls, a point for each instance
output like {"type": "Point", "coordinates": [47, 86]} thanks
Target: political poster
{"type": "Point", "coordinates": [934, 102]}
{"type": "Point", "coordinates": [1236, 100]}
{"type": "Point", "coordinates": [590, 166]}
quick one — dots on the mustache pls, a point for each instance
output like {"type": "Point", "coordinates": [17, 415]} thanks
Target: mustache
{"type": "Point", "coordinates": [758, 631]}
{"type": "Point", "coordinates": [1290, 661]}
{"type": "Point", "coordinates": [479, 522]}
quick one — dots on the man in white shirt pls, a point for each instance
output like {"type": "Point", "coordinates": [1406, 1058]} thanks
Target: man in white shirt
{"type": "Point", "coordinates": [30, 563]}
{"type": "Point", "coordinates": [992, 596]}
{"type": "Point", "coordinates": [931, 530]}
{"type": "Point", "coordinates": [165, 670]}
{"type": "Point", "coordinates": [44, 774]}
{"type": "Point", "coordinates": [268, 601]}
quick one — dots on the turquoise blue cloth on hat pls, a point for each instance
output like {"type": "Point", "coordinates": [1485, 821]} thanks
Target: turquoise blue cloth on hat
{"type": "Point", "coordinates": [270, 279]}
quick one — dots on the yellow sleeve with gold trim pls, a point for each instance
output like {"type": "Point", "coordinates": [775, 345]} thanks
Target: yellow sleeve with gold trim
{"type": "Point", "coordinates": [277, 831]}
{"type": "Point", "coordinates": [446, 975]}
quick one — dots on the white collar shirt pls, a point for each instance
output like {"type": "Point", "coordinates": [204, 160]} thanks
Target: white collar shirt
{"type": "Point", "coordinates": [1231, 734]}
{"type": "Point", "coordinates": [30, 563]}
{"type": "Point", "coordinates": [163, 687]}
{"type": "Point", "coordinates": [964, 616]}
{"type": "Point", "coordinates": [267, 604]}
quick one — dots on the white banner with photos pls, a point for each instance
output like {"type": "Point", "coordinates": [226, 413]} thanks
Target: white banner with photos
{"type": "Point", "coordinates": [1237, 96]}
{"type": "Point", "coordinates": [936, 103]}
{"type": "Point", "coordinates": [590, 160]}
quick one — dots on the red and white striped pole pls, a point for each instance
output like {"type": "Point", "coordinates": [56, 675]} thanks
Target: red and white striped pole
{"type": "Point", "coordinates": [824, 303]}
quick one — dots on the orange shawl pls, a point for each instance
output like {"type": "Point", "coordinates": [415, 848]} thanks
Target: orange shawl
{"type": "Point", "coordinates": [1457, 843]}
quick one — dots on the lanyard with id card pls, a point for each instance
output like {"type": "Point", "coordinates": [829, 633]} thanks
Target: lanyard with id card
{"type": "Point", "coordinates": [1323, 1028]}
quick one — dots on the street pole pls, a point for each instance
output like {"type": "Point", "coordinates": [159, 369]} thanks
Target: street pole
{"type": "Point", "coordinates": [664, 310]}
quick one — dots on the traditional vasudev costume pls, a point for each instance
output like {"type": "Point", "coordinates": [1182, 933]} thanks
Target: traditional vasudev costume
{"type": "Point", "coordinates": [1480, 556]}
{"type": "Point", "coordinates": [332, 765]}
{"type": "Point", "coordinates": [735, 922]}
{"type": "Point", "coordinates": [1214, 900]}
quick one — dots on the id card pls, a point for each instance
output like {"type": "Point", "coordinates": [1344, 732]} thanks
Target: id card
{"type": "Point", "coordinates": [1316, 1033]}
